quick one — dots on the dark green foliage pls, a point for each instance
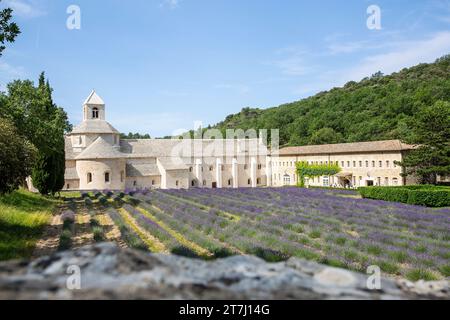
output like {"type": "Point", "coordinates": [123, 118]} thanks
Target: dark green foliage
{"type": "Point", "coordinates": [431, 132]}
{"type": "Point", "coordinates": [103, 201]}
{"type": "Point", "coordinates": [8, 30]}
{"type": "Point", "coordinates": [377, 108]}
{"type": "Point", "coordinates": [430, 196]}
{"type": "Point", "coordinates": [65, 240]}
{"type": "Point", "coordinates": [16, 157]}
{"type": "Point", "coordinates": [131, 135]}
{"type": "Point", "coordinates": [40, 121]}
{"type": "Point", "coordinates": [184, 252]}
{"type": "Point", "coordinates": [98, 233]}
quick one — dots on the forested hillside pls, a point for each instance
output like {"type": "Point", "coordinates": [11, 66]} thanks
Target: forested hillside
{"type": "Point", "coordinates": [376, 108]}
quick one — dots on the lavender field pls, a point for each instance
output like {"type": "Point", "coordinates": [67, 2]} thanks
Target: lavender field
{"type": "Point", "coordinates": [334, 228]}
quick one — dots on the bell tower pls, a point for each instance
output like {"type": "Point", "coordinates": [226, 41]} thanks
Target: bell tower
{"type": "Point", "coordinates": [94, 108]}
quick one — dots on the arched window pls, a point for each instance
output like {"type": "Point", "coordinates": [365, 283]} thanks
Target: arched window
{"type": "Point", "coordinates": [287, 180]}
{"type": "Point", "coordinates": [89, 177]}
{"type": "Point", "coordinates": [95, 113]}
{"type": "Point", "coordinates": [229, 182]}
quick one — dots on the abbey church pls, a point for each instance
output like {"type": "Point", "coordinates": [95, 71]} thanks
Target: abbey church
{"type": "Point", "coordinates": [98, 159]}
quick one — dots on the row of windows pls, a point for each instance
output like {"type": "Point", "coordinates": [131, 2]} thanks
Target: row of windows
{"type": "Point", "coordinates": [229, 182]}
{"type": "Point", "coordinates": [332, 181]}
{"type": "Point", "coordinates": [286, 178]}
{"type": "Point", "coordinates": [344, 164]}
{"type": "Point", "coordinates": [106, 175]}
{"type": "Point", "coordinates": [211, 168]}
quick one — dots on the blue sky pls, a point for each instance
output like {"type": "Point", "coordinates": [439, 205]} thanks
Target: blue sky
{"type": "Point", "coordinates": [160, 65]}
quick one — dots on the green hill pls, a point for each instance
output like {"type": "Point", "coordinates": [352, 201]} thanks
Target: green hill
{"type": "Point", "coordinates": [376, 108]}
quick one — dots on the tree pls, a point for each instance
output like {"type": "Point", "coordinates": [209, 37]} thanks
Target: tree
{"type": "Point", "coordinates": [43, 123]}
{"type": "Point", "coordinates": [431, 134]}
{"type": "Point", "coordinates": [373, 109]}
{"type": "Point", "coordinates": [8, 30]}
{"type": "Point", "coordinates": [16, 157]}
{"type": "Point", "coordinates": [131, 135]}
{"type": "Point", "coordinates": [326, 136]}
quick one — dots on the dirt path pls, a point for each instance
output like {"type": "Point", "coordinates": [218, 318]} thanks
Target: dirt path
{"type": "Point", "coordinates": [50, 239]}
{"type": "Point", "coordinates": [82, 229]}
{"type": "Point", "coordinates": [111, 231]}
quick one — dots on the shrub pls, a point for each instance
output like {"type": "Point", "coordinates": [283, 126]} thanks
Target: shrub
{"type": "Point", "coordinates": [430, 196]}
{"type": "Point", "coordinates": [98, 233]}
{"type": "Point", "coordinates": [103, 201]}
{"type": "Point", "coordinates": [88, 202]}
{"type": "Point", "coordinates": [65, 241]}
{"type": "Point", "coordinates": [420, 274]}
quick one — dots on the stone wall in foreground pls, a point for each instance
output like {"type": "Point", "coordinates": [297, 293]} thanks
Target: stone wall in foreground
{"type": "Point", "coordinates": [108, 272]}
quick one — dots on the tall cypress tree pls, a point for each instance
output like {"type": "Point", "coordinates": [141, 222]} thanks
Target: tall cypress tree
{"type": "Point", "coordinates": [48, 173]}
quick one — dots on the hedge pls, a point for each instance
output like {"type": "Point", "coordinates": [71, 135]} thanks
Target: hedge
{"type": "Point", "coordinates": [430, 196]}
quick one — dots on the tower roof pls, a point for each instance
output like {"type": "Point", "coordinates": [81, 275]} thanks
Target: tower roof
{"type": "Point", "coordinates": [94, 126]}
{"type": "Point", "coordinates": [100, 149]}
{"type": "Point", "coordinates": [94, 99]}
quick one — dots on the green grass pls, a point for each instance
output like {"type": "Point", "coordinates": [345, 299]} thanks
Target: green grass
{"type": "Point", "coordinates": [420, 274]}
{"type": "Point", "coordinates": [23, 216]}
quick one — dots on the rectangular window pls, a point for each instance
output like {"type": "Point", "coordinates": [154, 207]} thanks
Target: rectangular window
{"type": "Point", "coordinates": [387, 164]}
{"type": "Point", "coordinates": [360, 164]}
{"type": "Point", "coordinates": [326, 181]}
{"type": "Point", "coordinates": [348, 164]}
{"type": "Point", "coordinates": [106, 176]}
{"type": "Point", "coordinates": [378, 181]}
{"type": "Point", "coordinates": [342, 164]}
{"type": "Point", "coordinates": [354, 164]}
{"type": "Point", "coordinates": [373, 164]}
{"type": "Point", "coordinates": [386, 181]}
{"type": "Point", "coordinates": [381, 164]}
{"type": "Point", "coordinates": [121, 176]}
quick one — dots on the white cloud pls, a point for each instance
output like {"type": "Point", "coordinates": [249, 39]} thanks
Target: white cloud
{"type": "Point", "coordinates": [404, 55]}
{"type": "Point", "coordinates": [24, 8]}
{"type": "Point", "coordinates": [294, 62]}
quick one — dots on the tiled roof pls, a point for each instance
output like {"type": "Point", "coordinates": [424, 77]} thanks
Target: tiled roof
{"type": "Point", "coordinates": [172, 163]}
{"type": "Point", "coordinates": [188, 147]}
{"type": "Point", "coordinates": [100, 149]}
{"type": "Point", "coordinates": [356, 147]}
{"type": "Point", "coordinates": [70, 155]}
{"type": "Point", "coordinates": [71, 174]}
{"type": "Point", "coordinates": [94, 126]}
{"type": "Point", "coordinates": [94, 99]}
{"type": "Point", "coordinates": [142, 170]}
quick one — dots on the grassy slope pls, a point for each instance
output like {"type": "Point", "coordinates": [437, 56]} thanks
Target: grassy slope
{"type": "Point", "coordinates": [23, 216]}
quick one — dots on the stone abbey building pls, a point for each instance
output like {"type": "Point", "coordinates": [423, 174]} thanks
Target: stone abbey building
{"type": "Point", "coordinates": [97, 159]}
